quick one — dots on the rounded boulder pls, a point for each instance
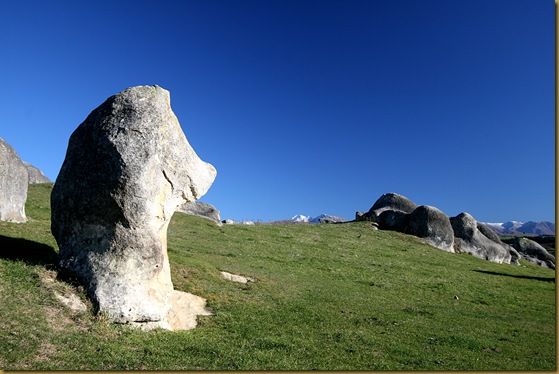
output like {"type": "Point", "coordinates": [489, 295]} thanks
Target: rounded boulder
{"type": "Point", "coordinates": [433, 226]}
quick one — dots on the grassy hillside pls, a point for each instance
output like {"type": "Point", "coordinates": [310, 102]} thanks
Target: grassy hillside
{"type": "Point", "coordinates": [326, 297]}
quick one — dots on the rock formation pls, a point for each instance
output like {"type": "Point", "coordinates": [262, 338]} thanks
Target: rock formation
{"type": "Point", "coordinates": [36, 176]}
{"type": "Point", "coordinates": [392, 201]}
{"type": "Point", "coordinates": [492, 235]}
{"type": "Point", "coordinates": [433, 226]}
{"type": "Point", "coordinates": [200, 209]}
{"type": "Point", "coordinates": [395, 220]}
{"type": "Point", "coordinates": [127, 168]}
{"type": "Point", "coordinates": [13, 185]}
{"type": "Point", "coordinates": [534, 252]}
{"type": "Point", "coordinates": [470, 239]}
{"type": "Point", "coordinates": [326, 218]}
{"type": "Point", "coordinates": [488, 232]}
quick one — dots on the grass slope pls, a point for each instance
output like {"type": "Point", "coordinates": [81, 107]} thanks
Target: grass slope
{"type": "Point", "coordinates": [338, 297]}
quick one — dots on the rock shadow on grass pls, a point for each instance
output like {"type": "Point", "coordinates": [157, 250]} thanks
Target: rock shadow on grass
{"type": "Point", "coordinates": [543, 279]}
{"type": "Point", "coordinates": [28, 251]}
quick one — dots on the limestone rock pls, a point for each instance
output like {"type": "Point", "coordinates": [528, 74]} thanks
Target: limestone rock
{"type": "Point", "coordinates": [534, 252]}
{"type": "Point", "coordinates": [200, 209]}
{"type": "Point", "coordinates": [395, 220]}
{"type": "Point", "coordinates": [326, 218]}
{"type": "Point", "coordinates": [127, 168]}
{"type": "Point", "coordinates": [514, 255]}
{"type": "Point", "coordinates": [469, 239]}
{"type": "Point", "coordinates": [492, 235]}
{"type": "Point", "coordinates": [392, 201]}
{"type": "Point", "coordinates": [488, 232]}
{"type": "Point", "coordinates": [13, 185]}
{"type": "Point", "coordinates": [433, 226]}
{"type": "Point", "coordinates": [236, 278]}
{"type": "Point", "coordinates": [36, 176]}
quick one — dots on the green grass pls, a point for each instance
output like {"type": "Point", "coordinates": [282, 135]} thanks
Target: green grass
{"type": "Point", "coordinates": [340, 297]}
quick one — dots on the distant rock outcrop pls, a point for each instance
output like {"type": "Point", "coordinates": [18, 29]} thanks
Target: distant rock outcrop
{"type": "Point", "coordinates": [388, 201]}
{"type": "Point", "coordinates": [433, 226]}
{"type": "Point", "coordinates": [458, 234]}
{"type": "Point", "coordinates": [326, 218]}
{"type": "Point", "coordinates": [534, 252]}
{"type": "Point", "coordinates": [470, 239]}
{"type": "Point", "coordinates": [36, 176]}
{"type": "Point", "coordinates": [200, 209]}
{"type": "Point", "coordinates": [127, 168]}
{"type": "Point", "coordinates": [13, 185]}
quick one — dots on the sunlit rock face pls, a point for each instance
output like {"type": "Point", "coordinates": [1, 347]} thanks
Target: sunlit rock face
{"type": "Point", "coordinates": [127, 168]}
{"type": "Point", "coordinates": [470, 239]}
{"type": "Point", "coordinates": [13, 185]}
{"type": "Point", "coordinates": [533, 252]}
{"type": "Point", "coordinates": [36, 176]}
{"type": "Point", "coordinates": [388, 201]}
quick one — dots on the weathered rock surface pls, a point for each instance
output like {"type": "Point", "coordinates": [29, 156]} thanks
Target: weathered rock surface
{"type": "Point", "coordinates": [326, 218]}
{"type": "Point", "coordinates": [492, 235]}
{"type": "Point", "coordinates": [534, 252]}
{"type": "Point", "coordinates": [488, 232]}
{"type": "Point", "coordinates": [200, 209]}
{"type": "Point", "coordinates": [13, 185]}
{"type": "Point", "coordinates": [395, 220]}
{"type": "Point", "coordinates": [469, 239]}
{"type": "Point", "coordinates": [388, 201]}
{"type": "Point", "coordinates": [36, 176]}
{"type": "Point", "coordinates": [127, 168]}
{"type": "Point", "coordinates": [236, 278]}
{"type": "Point", "coordinates": [433, 226]}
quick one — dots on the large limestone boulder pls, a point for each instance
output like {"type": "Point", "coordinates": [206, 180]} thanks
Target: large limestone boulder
{"type": "Point", "coordinates": [469, 239]}
{"type": "Point", "coordinates": [488, 232]}
{"type": "Point", "coordinates": [433, 226]}
{"type": "Point", "coordinates": [492, 235]}
{"type": "Point", "coordinates": [200, 209]}
{"type": "Point", "coordinates": [388, 201]}
{"type": "Point", "coordinates": [13, 185]}
{"type": "Point", "coordinates": [36, 176]}
{"type": "Point", "coordinates": [127, 168]}
{"type": "Point", "coordinates": [395, 220]}
{"type": "Point", "coordinates": [534, 252]}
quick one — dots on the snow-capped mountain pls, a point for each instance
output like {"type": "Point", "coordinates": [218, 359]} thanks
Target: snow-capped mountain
{"type": "Point", "coordinates": [299, 218]}
{"type": "Point", "coordinates": [521, 228]}
{"type": "Point", "coordinates": [323, 218]}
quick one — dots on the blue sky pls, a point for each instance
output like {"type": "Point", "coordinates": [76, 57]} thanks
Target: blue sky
{"type": "Point", "coordinates": [307, 106]}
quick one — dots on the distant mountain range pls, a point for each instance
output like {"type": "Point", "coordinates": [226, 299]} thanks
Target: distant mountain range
{"type": "Point", "coordinates": [323, 218]}
{"type": "Point", "coordinates": [523, 228]}
{"type": "Point", "coordinates": [504, 228]}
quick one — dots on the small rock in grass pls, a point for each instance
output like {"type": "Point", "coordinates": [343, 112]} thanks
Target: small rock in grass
{"type": "Point", "coordinates": [236, 278]}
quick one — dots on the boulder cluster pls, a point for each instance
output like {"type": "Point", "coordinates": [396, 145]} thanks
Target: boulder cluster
{"type": "Point", "coordinates": [460, 234]}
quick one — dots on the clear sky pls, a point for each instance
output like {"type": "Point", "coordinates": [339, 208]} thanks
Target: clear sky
{"type": "Point", "coordinates": [307, 107]}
